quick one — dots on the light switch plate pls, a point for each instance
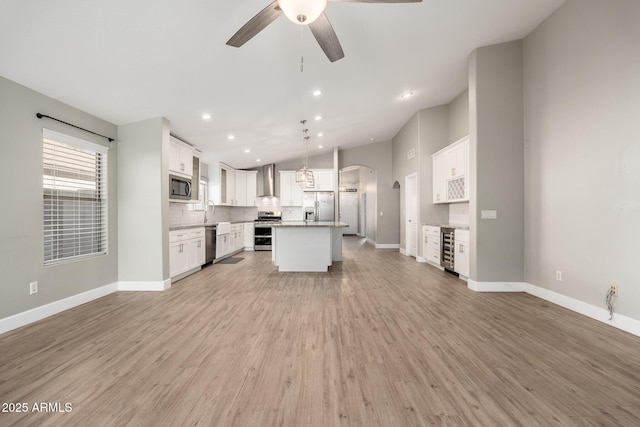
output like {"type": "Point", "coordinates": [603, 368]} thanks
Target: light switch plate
{"type": "Point", "coordinates": [489, 214]}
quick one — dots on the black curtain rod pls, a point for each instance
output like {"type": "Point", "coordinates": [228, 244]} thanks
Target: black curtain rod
{"type": "Point", "coordinates": [38, 115]}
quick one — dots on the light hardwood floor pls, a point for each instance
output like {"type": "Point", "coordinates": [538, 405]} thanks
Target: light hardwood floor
{"type": "Point", "coordinates": [378, 341]}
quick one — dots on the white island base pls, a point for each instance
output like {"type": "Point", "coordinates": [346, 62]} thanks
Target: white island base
{"type": "Point", "coordinates": [302, 246]}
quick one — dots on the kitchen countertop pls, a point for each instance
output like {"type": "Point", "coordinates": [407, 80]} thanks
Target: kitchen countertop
{"type": "Point", "coordinates": [302, 224]}
{"type": "Point", "coordinates": [458, 226]}
{"type": "Point", "coordinates": [208, 224]}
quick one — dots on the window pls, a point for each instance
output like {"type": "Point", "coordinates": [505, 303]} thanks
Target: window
{"type": "Point", "coordinates": [201, 205]}
{"type": "Point", "coordinates": [74, 188]}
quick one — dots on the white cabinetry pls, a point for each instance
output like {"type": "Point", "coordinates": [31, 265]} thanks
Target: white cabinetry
{"type": "Point", "coordinates": [229, 239]}
{"type": "Point", "coordinates": [237, 237]}
{"type": "Point", "coordinates": [451, 173]}
{"type": "Point", "coordinates": [461, 257]}
{"type": "Point", "coordinates": [323, 180]}
{"type": "Point", "coordinates": [180, 158]}
{"type": "Point", "coordinates": [290, 190]}
{"type": "Point", "coordinates": [186, 250]}
{"type": "Point", "coordinates": [249, 234]}
{"type": "Point", "coordinates": [246, 188]}
{"type": "Point", "coordinates": [230, 187]}
{"type": "Point", "coordinates": [431, 243]}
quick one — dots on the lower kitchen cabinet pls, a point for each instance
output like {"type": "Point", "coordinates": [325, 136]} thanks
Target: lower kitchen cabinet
{"type": "Point", "coordinates": [249, 234]}
{"type": "Point", "coordinates": [431, 243]}
{"type": "Point", "coordinates": [186, 250]}
{"type": "Point", "coordinates": [461, 257]}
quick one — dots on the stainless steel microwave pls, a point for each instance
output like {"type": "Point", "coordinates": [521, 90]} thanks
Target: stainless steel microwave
{"type": "Point", "coordinates": [179, 188]}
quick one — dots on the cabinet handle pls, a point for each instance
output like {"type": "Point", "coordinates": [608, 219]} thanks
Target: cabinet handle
{"type": "Point", "coordinates": [461, 248]}
{"type": "Point", "coordinates": [453, 171]}
{"type": "Point", "coordinates": [182, 167]}
{"type": "Point", "coordinates": [426, 240]}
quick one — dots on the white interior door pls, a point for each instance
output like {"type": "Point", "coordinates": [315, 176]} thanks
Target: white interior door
{"type": "Point", "coordinates": [411, 210]}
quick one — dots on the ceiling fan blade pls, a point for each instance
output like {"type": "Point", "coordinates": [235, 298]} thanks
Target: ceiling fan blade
{"type": "Point", "coordinates": [376, 1]}
{"type": "Point", "coordinates": [255, 25]}
{"type": "Point", "coordinates": [326, 37]}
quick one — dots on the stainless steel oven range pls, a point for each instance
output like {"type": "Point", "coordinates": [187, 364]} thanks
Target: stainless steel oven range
{"type": "Point", "coordinates": [262, 229]}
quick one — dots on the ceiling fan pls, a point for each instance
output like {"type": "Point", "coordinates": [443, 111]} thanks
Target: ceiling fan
{"type": "Point", "coordinates": [301, 12]}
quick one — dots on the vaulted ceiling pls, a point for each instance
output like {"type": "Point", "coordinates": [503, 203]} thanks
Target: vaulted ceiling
{"type": "Point", "coordinates": [126, 61]}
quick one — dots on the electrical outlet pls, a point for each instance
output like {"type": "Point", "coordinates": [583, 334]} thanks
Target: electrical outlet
{"type": "Point", "coordinates": [33, 288]}
{"type": "Point", "coordinates": [559, 275]}
{"type": "Point", "coordinates": [614, 289]}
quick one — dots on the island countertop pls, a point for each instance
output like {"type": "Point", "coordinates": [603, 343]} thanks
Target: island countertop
{"type": "Point", "coordinates": [311, 224]}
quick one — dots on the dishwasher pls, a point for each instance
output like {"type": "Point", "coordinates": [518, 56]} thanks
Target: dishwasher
{"type": "Point", "coordinates": [210, 243]}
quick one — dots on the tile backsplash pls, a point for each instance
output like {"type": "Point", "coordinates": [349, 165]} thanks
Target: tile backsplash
{"type": "Point", "coordinates": [180, 214]}
{"type": "Point", "coordinates": [459, 213]}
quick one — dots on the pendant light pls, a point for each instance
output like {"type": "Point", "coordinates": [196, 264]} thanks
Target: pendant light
{"type": "Point", "coordinates": [304, 176]}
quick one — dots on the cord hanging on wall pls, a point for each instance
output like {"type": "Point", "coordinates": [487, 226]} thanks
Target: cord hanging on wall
{"type": "Point", "coordinates": [396, 185]}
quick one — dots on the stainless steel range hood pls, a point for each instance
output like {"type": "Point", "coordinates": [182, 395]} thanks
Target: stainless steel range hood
{"type": "Point", "coordinates": [268, 180]}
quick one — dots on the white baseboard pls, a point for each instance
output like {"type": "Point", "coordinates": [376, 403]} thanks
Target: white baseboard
{"type": "Point", "coordinates": [144, 286]}
{"type": "Point", "coordinates": [403, 251]}
{"type": "Point", "coordinates": [496, 286]}
{"type": "Point", "coordinates": [371, 241]}
{"type": "Point", "coordinates": [420, 259]}
{"type": "Point", "coordinates": [619, 321]}
{"type": "Point", "coordinates": [387, 245]}
{"type": "Point", "coordinates": [22, 319]}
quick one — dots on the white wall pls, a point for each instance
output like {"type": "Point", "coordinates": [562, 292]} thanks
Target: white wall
{"type": "Point", "coordinates": [582, 157]}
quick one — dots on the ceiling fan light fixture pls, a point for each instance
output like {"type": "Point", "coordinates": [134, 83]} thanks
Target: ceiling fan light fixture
{"type": "Point", "coordinates": [302, 12]}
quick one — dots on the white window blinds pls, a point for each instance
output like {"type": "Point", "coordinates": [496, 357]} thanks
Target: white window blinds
{"type": "Point", "coordinates": [74, 184]}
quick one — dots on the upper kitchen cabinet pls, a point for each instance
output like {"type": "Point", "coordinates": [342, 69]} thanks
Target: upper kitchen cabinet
{"type": "Point", "coordinates": [290, 190]}
{"type": "Point", "coordinates": [230, 187]}
{"type": "Point", "coordinates": [195, 177]}
{"type": "Point", "coordinates": [246, 188]}
{"type": "Point", "coordinates": [323, 180]}
{"type": "Point", "coordinates": [451, 173]}
{"type": "Point", "coordinates": [180, 158]}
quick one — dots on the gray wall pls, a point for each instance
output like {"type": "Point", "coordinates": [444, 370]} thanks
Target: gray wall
{"type": "Point", "coordinates": [459, 117]}
{"type": "Point", "coordinates": [377, 156]}
{"type": "Point", "coordinates": [582, 182]}
{"type": "Point", "coordinates": [143, 201]}
{"type": "Point", "coordinates": [21, 228]}
{"type": "Point", "coordinates": [428, 131]}
{"type": "Point", "coordinates": [497, 162]}
{"type": "Point", "coordinates": [434, 136]}
{"type": "Point", "coordinates": [408, 138]}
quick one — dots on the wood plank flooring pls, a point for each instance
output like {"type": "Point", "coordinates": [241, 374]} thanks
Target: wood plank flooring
{"type": "Point", "coordinates": [378, 341]}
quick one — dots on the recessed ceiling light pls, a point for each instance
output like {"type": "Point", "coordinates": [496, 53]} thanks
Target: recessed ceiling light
{"type": "Point", "coordinates": [206, 116]}
{"type": "Point", "coordinates": [317, 92]}
{"type": "Point", "coordinates": [319, 146]}
{"type": "Point", "coordinates": [372, 139]}
{"type": "Point", "coordinates": [247, 151]}
{"type": "Point", "coordinates": [318, 117]}
{"type": "Point", "coordinates": [231, 137]}
{"type": "Point", "coordinates": [320, 133]}
{"type": "Point", "coordinates": [258, 160]}
{"type": "Point", "coordinates": [406, 95]}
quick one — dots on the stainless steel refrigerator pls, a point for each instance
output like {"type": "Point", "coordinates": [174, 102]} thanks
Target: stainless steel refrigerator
{"type": "Point", "coordinates": [318, 205]}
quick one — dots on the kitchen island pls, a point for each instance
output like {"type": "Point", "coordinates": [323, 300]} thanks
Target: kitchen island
{"type": "Point", "coordinates": [307, 245]}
